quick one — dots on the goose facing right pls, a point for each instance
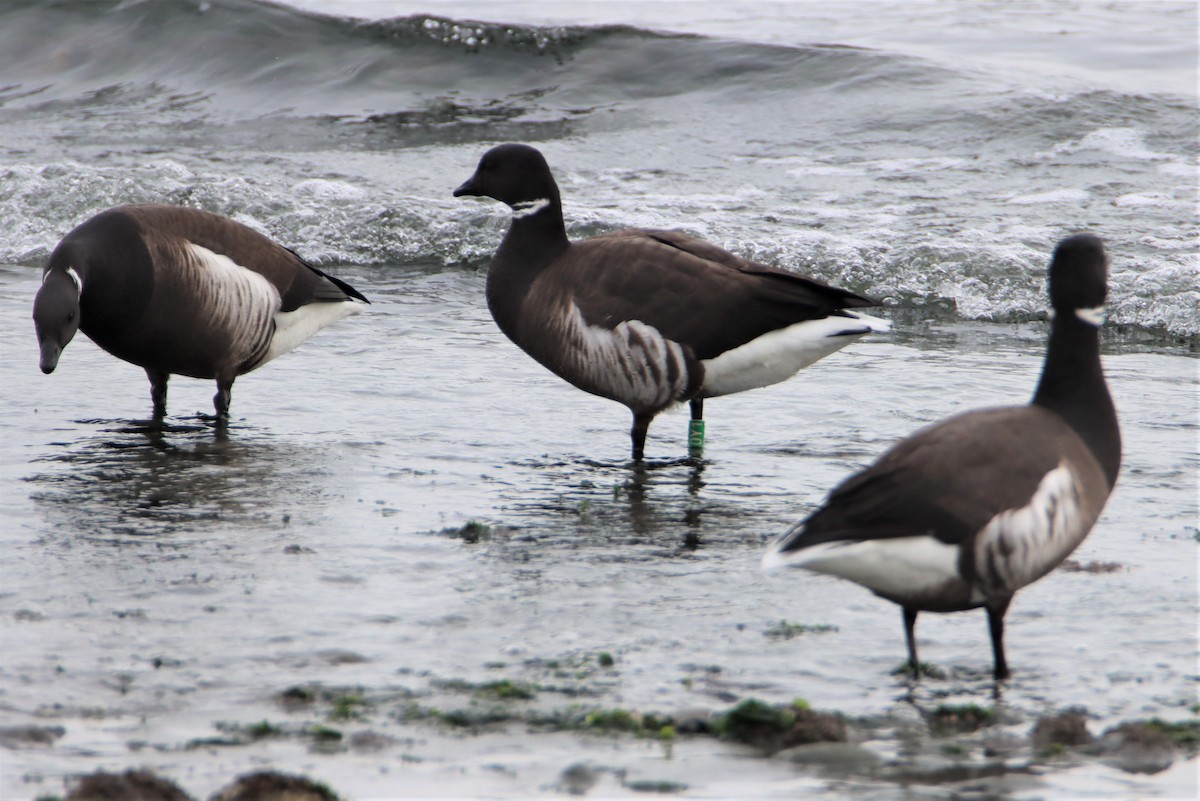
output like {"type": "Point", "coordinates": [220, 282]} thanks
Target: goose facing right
{"type": "Point", "coordinates": [967, 511]}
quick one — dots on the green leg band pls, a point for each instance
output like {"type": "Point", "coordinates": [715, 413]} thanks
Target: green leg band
{"type": "Point", "coordinates": [695, 438]}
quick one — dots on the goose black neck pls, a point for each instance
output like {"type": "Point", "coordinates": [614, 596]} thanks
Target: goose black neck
{"type": "Point", "coordinates": [1073, 386]}
{"type": "Point", "coordinates": [534, 239]}
{"type": "Point", "coordinates": [532, 243]}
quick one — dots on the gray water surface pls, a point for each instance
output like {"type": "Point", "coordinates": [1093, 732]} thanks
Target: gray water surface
{"type": "Point", "coordinates": [163, 585]}
{"type": "Point", "coordinates": [407, 511]}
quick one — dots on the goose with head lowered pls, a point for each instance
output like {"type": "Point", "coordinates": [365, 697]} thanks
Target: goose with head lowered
{"type": "Point", "coordinates": [967, 511]}
{"type": "Point", "coordinates": [649, 318]}
{"type": "Point", "coordinates": [182, 291]}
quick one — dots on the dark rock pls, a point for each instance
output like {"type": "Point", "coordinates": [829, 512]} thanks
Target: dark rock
{"type": "Point", "coordinates": [959, 718]}
{"type": "Point", "coordinates": [774, 728]}
{"type": "Point", "coordinates": [370, 742]}
{"type": "Point", "coordinates": [269, 785]}
{"type": "Point", "coordinates": [812, 726]}
{"type": "Point", "coordinates": [1136, 748]}
{"type": "Point", "coordinates": [27, 615]}
{"type": "Point", "coordinates": [652, 786]}
{"type": "Point", "coordinates": [15, 736]}
{"type": "Point", "coordinates": [1067, 729]}
{"type": "Point", "coordinates": [692, 723]}
{"type": "Point", "coordinates": [338, 656]}
{"type": "Point", "coordinates": [577, 779]}
{"type": "Point", "coordinates": [132, 785]}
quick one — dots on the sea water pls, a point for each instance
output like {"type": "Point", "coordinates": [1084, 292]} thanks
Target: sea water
{"type": "Point", "coordinates": [161, 587]}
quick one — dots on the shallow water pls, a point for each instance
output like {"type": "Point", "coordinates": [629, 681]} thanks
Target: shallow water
{"type": "Point", "coordinates": [158, 583]}
{"type": "Point", "coordinates": [162, 586]}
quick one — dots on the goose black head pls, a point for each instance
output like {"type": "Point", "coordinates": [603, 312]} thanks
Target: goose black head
{"type": "Point", "coordinates": [1079, 278]}
{"type": "Point", "coordinates": [514, 174]}
{"type": "Point", "coordinates": [56, 313]}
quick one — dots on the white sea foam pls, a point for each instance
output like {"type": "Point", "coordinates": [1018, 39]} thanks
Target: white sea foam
{"type": "Point", "coordinates": [1124, 142]}
{"type": "Point", "coordinates": [1053, 196]}
{"type": "Point", "coordinates": [950, 192]}
{"type": "Point", "coordinates": [325, 189]}
{"type": "Point", "coordinates": [1135, 199]}
{"type": "Point", "coordinates": [899, 166]}
{"type": "Point", "coordinates": [815, 168]}
{"type": "Point", "coordinates": [1186, 169]}
{"type": "Point", "coordinates": [915, 165]}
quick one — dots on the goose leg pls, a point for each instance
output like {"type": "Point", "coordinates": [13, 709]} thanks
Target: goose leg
{"type": "Point", "coordinates": [696, 429]}
{"type": "Point", "coordinates": [996, 627]}
{"type": "Point", "coordinates": [158, 392]}
{"type": "Point", "coordinates": [221, 399]}
{"type": "Point", "coordinates": [641, 425]}
{"type": "Point", "coordinates": [910, 636]}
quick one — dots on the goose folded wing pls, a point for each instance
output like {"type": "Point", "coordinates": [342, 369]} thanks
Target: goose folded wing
{"type": "Point", "coordinates": [310, 285]}
{"type": "Point", "coordinates": [947, 481]}
{"type": "Point", "coordinates": [691, 291]}
{"type": "Point", "coordinates": [783, 286]}
{"type": "Point", "coordinates": [297, 281]}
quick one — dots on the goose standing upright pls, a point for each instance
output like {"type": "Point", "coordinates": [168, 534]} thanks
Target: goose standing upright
{"type": "Point", "coordinates": [184, 291]}
{"type": "Point", "coordinates": [967, 511]}
{"type": "Point", "coordinates": [648, 318]}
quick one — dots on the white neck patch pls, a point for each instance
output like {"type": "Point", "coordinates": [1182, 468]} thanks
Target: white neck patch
{"type": "Point", "coordinates": [76, 278]}
{"type": "Point", "coordinates": [527, 208]}
{"type": "Point", "coordinates": [1093, 316]}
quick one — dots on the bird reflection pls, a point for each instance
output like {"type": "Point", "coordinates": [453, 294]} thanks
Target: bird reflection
{"type": "Point", "coordinates": [613, 504]}
{"type": "Point", "coordinates": [154, 478]}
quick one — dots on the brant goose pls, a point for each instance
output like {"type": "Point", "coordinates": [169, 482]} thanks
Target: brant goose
{"type": "Point", "coordinates": [179, 290]}
{"type": "Point", "coordinates": [647, 317]}
{"type": "Point", "coordinates": [967, 511]}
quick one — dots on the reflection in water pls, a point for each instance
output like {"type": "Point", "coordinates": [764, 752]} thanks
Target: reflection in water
{"type": "Point", "coordinates": [617, 506]}
{"type": "Point", "coordinates": [649, 515]}
{"type": "Point", "coordinates": [145, 478]}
